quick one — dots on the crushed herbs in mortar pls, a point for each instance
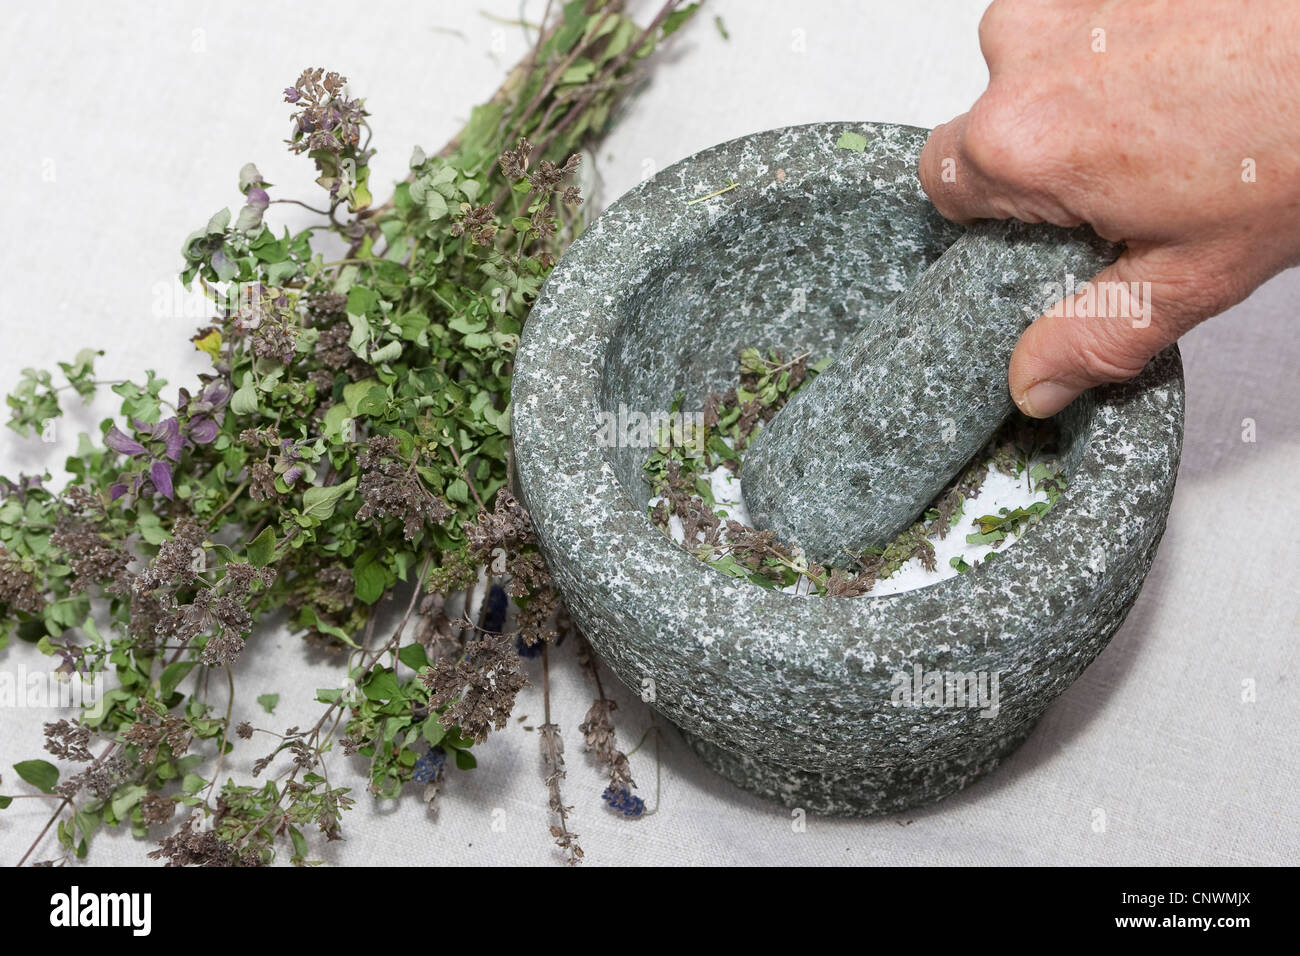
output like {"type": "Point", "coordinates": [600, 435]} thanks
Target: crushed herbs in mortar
{"type": "Point", "coordinates": [696, 500]}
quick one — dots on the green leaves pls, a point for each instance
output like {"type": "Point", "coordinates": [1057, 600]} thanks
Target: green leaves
{"type": "Point", "coordinates": [269, 702]}
{"type": "Point", "coordinates": [206, 251]}
{"type": "Point", "coordinates": [217, 223]}
{"type": "Point", "coordinates": [435, 205]}
{"type": "Point", "coordinates": [371, 578]}
{"type": "Point", "coordinates": [575, 22]}
{"type": "Point", "coordinates": [438, 188]}
{"type": "Point", "coordinates": [126, 799]}
{"type": "Point", "coordinates": [413, 656]}
{"type": "Point", "coordinates": [467, 324]}
{"type": "Point", "coordinates": [674, 21]}
{"type": "Point", "coordinates": [34, 401]}
{"type": "Point", "coordinates": [366, 398]}
{"type": "Point", "coordinates": [244, 401]}
{"type": "Point", "coordinates": [1008, 522]}
{"type": "Point", "coordinates": [299, 844]}
{"type": "Point", "coordinates": [382, 685]}
{"type": "Point", "coordinates": [458, 491]}
{"type": "Point", "coordinates": [319, 503]}
{"type": "Point", "coordinates": [172, 675]}
{"type": "Point", "coordinates": [142, 402]}
{"type": "Point", "coordinates": [80, 372]}
{"type": "Point", "coordinates": [362, 300]}
{"type": "Point", "coordinates": [41, 774]}
{"type": "Point", "coordinates": [388, 352]}
{"type": "Point", "coordinates": [432, 730]}
{"type": "Point", "coordinates": [262, 548]}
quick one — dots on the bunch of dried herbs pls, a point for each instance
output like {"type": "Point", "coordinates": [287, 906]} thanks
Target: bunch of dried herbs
{"type": "Point", "coordinates": [350, 442]}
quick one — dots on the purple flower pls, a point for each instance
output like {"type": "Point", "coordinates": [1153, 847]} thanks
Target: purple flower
{"type": "Point", "coordinates": [287, 462]}
{"type": "Point", "coordinates": [622, 800]}
{"type": "Point", "coordinates": [20, 488]}
{"type": "Point", "coordinates": [291, 94]}
{"type": "Point", "coordinates": [427, 767]}
{"type": "Point", "coordinates": [168, 432]}
{"type": "Point", "coordinates": [215, 394]}
{"type": "Point", "coordinates": [207, 411]}
{"type": "Point", "coordinates": [161, 474]}
{"type": "Point", "coordinates": [165, 437]}
{"type": "Point", "coordinates": [221, 264]}
{"type": "Point", "coordinates": [202, 431]}
{"type": "Point", "coordinates": [117, 440]}
{"type": "Point", "coordinates": [250, 216]}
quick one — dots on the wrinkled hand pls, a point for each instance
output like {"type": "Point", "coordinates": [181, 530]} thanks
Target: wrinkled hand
{"type": "Point", "coordinates": [1170, 125]}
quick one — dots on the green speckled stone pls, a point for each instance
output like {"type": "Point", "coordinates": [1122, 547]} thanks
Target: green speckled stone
{"type": "Point", "coordinates": [794, 697]}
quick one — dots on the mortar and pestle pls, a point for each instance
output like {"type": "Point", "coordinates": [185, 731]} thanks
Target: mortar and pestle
{"type": "Point", "coordinates": [830, 252]}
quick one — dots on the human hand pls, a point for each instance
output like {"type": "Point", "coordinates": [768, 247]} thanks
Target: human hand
{"type": "Point", "coordinates": [1170, 125]}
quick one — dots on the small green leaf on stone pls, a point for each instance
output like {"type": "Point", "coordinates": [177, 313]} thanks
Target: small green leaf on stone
{"type": "Point", "coordinates": [850, 140]}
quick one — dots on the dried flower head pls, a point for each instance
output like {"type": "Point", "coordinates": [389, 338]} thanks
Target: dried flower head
{"type": "Point", "coordinates": [69, 740]}
{"type": "Point", "coordinates": [479, 690]}
{"type": "Point", "coordinates": [391, 488]}
{"type": "Point", "coordinates": [18, 588]}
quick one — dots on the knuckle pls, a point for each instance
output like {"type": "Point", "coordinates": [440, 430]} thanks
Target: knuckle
{"type": "Point", "coordinates": [994, 25]}
{"type": "Point", "coordinates": [1004, 142]}
{"type": "Point", "coordinates": [1103, 354]}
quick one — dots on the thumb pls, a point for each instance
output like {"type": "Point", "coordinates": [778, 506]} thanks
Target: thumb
{"type": "Point", "coordinates": [1107, 329]}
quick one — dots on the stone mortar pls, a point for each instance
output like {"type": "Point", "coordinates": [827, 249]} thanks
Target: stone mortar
{"type": "Point", "coordinates": [793, 697]}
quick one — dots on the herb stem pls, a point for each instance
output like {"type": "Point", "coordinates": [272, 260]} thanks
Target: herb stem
{"type": "Point", "coordinates": [465, 475]}
{"type": "Point", "coordinates": [58, 811]}
{"type": "Point", "coordinates": [234, 495]}
{"type": "Point", "coordinates": [320, 212]}
{"type": "Point", "coordinates": [225, 732]}
{"type": "Point", "coordinates": [732, 184]}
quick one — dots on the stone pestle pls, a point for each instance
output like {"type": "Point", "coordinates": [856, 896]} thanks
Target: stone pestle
{"type": "Point", "coordinates": [853, 459]}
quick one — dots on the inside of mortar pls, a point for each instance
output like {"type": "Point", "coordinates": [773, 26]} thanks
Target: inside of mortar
{"type": "Point", "coordinates": [796, 272]}
{"type": "Point", "coordinates": [696, 468]}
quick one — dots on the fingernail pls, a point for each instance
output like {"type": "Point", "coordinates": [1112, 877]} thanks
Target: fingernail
{"type": "Point", "coordinates": [1045, 399]}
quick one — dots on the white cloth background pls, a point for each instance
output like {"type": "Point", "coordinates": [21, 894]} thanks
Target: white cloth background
{"type": "Point", "coordinates": [126, 126]}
